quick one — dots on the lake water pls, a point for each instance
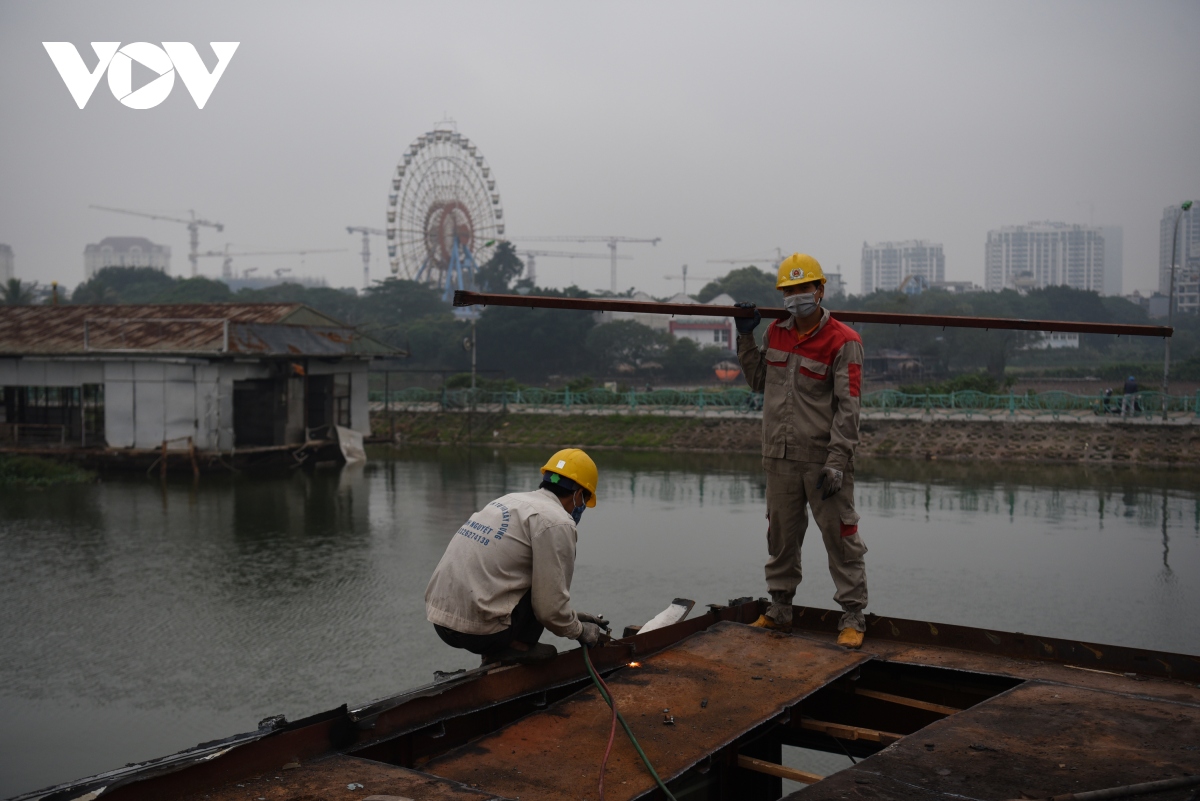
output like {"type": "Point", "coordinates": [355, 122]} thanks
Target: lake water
{"type": "Point", "coordinates": [139, 619]}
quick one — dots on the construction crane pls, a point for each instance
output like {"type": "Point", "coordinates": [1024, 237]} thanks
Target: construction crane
{"type": "Point", "coordinates": [531, 257]}
{"type": "Point", "coordinates": [611, 241]}
{"type": "Point", "coordinates": [776, 260]}
{"type": "Point", "coordinates": [227, 265]}
{"type": "Point", "coordinates": [684, 276]}
{"type": "Point", "coordinates": [366, 251]}
{"type": "Point", "coordinates": [193, 226]}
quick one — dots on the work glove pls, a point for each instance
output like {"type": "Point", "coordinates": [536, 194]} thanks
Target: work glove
{"type": "Point", "coordinates": [599, 620]}
{"type": "Point", "coordinates": [831, 479]}
{"type": "Point", "coordinates": [590, 635]}
{"type": "Point", "coordinates": [746, 325]}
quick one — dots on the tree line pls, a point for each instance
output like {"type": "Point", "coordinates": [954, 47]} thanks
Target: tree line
{"type": "Point", "coordinates": [541, 346]}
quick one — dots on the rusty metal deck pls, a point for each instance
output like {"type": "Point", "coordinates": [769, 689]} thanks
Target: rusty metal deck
{"type": "Point", "coordinates": [1038, 716]}
{"type": "Point", "coordinates": [717, 685]}
{"type": "Point", "coordinates": [342, 778]}
{"type": "Point", "coordinates": [1034, 741]}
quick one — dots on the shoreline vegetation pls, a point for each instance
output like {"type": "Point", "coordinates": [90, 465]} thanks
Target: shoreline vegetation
{"type": "Point", "coordinates": [957, 441]}
{"type": "Point", "coordinates": [35, 472]}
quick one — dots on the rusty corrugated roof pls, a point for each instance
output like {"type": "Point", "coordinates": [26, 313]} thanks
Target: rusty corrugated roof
{"type": "Point", "coordinates": [263, 328]}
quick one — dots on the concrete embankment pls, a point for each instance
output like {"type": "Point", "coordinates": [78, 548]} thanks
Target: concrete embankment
{"type": "Point", "coordinates": [1058, 442]}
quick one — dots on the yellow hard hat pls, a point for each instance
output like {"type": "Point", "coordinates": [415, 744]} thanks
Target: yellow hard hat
{"type": "Point", "coordinates": [576, 465]}
{"type": "Point", "coordinates": [798, 268]}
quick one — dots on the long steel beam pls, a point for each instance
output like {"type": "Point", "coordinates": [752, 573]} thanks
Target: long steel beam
{"type": "Point", "coordinates": [464, 298]}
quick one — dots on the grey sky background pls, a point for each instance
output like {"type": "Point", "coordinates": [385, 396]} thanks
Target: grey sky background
{"type": "Point", "coordinates": [727, 129]}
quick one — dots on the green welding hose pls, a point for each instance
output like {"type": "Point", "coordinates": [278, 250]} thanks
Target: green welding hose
{"type": "Point", "coordinates": [587, 660]}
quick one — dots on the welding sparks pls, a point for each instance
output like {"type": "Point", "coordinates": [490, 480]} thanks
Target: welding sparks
{"type": "Point", "coordinates": [635, 664]}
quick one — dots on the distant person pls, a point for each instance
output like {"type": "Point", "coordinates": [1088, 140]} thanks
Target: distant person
{"type": "Point", "coordinates": [1129, 402]}
{"type": "Point", "coordinates": [809, 370]}
{"type": "Point", "coordinates": [506, 574]}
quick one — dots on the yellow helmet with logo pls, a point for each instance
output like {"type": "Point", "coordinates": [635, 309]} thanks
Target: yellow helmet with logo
{"type": "Point", "coordinates": [798, 268]}
{"type": "Point", "coordinates": [576, 465]}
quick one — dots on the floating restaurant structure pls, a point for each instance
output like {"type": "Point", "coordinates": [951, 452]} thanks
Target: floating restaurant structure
{"type": "Point", "coordinates": [931, 711]}
{"type": "Point", "coordinates": [208, 379]}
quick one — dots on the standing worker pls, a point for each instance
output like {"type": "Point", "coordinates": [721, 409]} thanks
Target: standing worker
{"type": "Point", "coordinates": [809, 370]}
{"type": "Point", "coordinates": [1129, 401]}
{"type": "Point", "coordinates": [506, 574]}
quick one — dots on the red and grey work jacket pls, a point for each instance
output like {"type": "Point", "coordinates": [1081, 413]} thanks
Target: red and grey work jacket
{"type": "Point", "coordinates": [810, 389]}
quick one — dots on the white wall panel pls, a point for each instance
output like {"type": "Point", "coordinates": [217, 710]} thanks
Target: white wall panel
{"type": "Point", "coordinates": [118, 371]}
{"type": "Point", "coordinates": [119, 414]}
{"type": "Point", "coordinates": [229, 374]}
{"type": "Point", "coordinates": [88, 372]}
{"type": "Point", "coordinates": [179, 372]}
{"type": "Point", "coordinates": [149, 420]}
{"type": "Point", "coordinates": [149, 371]}
{"type": "Point", "coordinates": [360, 413]}
{"type": "Point", "coordinates": [208, 412]}
{"type": "Point", "coordinates": [61, 374]}
{"type": "Point", "coordinates": [179, 412]}
{"type": "Point", "coordinates": [31, 373]}
{"type": "Point", "coordinates": [9, 372]}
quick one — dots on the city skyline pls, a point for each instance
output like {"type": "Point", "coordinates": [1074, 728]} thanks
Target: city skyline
{"type": "Point", "coordinates": [680, 121]}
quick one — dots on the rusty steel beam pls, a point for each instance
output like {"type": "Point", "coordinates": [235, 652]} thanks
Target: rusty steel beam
{"type": "Point", "coordinates": [464, 298]}
{"type": "Point", "coordinates": [1012, 645]}
{"type": "Point", "coordinates": [780, 771]}
{"type": "Point", "coordinates": [915, 703]}
{"type": "Point", "coordinates": [844, 731]}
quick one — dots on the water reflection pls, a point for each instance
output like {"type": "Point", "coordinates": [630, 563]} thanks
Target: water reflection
{"type": "Point", "coordinates": [141, 617]}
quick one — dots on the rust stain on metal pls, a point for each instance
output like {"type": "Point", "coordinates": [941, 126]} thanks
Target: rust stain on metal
{"type": "Point", "coordinates": [1038, 740]}
{"type": "Point", "coordinates": [340, 778]}
{"type": "Point", "coordinates": [555, 753]}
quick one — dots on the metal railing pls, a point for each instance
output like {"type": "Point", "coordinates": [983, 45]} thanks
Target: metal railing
{"type": "Point", "coordinates": [1053, 402]}
{"type": "Point", "coordinates": [887, 401]}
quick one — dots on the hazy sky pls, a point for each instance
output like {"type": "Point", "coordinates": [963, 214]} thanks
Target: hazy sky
{"type": "Point", "coordinates": [727, 129]}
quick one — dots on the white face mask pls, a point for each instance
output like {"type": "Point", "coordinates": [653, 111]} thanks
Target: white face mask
{"type": "Point", "coordinates": [803, 304]}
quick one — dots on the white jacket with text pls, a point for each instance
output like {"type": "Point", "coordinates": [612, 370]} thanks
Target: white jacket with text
{"type": "Point", "coordinates": [518, 541]}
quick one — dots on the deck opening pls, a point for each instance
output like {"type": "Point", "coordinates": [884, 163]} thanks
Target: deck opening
{"type": "Point", "coordinates": [872, 707]}
{"type": "Point", "coordinates": [856, 715]}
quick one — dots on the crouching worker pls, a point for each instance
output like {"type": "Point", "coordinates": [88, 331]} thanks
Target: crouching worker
{"type": "Point", "coordinates": [506, 574]}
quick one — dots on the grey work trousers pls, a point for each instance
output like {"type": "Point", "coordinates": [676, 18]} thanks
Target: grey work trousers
{"type": "Point", "coordinates": [791, 486]}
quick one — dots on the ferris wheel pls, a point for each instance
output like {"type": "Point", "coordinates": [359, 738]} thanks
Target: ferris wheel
{"type": "Point", "coordinates": [444, 215]}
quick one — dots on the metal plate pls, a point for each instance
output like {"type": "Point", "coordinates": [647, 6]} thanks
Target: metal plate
{"type": "Point", "coordinates": [742, 675]}
{"type": "Point", "coordinates": [1035, 741]}
{"type": "Point", "coordinates": [331, 780]}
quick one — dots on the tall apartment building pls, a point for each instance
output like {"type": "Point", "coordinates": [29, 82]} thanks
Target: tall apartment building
{"type": "Point", "coordinates": [1114, 260]}
{"type": "Point", "coordinates": [835, 286]}
{"type": "Point", "coordinates": [125, 251]}
{"type": "Point", "coordinates": [885, 265]}
{"type": "Point", "coordinates": [1043, 254]}
{"type": "Point", "coordinates": [1187, 258]}
{"type": "Point", "coordinates": [7, 270]}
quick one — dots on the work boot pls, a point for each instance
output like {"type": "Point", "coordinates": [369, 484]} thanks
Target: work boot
{"type": "Point", "coordinates": [765, 622]}
{"type": "Point", "coordinates": [850, 638]}
{"type": "Point", "coordinates": [538, 652]}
